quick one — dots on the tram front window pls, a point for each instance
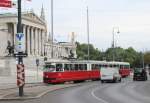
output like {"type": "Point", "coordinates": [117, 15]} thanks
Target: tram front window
{"type": "Point", "coordinates": [49, 68]}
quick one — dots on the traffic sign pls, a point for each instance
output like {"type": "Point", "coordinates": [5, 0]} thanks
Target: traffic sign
{"type": "Point", "coordinates": [5, 3]}
{"type": "Point", "coordinates": [20, 42]}
{"type": "Point", "coordinates": [20, 75]}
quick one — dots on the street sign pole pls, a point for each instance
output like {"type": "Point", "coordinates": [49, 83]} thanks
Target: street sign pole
{"type": "Point", "coordinates": [19, 30]}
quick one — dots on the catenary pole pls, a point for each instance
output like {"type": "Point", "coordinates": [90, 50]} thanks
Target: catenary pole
{"type": "Point", "coordinates": [88, 33]}
{"type": "Point", "coordinates": [52, 30]}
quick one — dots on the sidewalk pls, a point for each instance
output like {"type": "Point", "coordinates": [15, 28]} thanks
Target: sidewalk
{"type": "Point", "coordinates": [31, 91]}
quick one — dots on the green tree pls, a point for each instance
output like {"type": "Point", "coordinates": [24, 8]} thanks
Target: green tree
{"type": "Point", "coordinates": [82, 52]}
{"type": "Point", "coordinates": [126, 55]}
{"type": "Point", "coordinates": [147, 57]}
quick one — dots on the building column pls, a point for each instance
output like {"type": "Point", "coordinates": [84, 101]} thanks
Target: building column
{"type": "Point", "coordinates": [40, 33]}
{"type": "Point", "coordinates": [36, 42]}
{"type": "Point", "coordinates": [39, 42]}
{"type": "Point", "coordinates": [43, 42]}
{"type": "Point", "coordinates": [32, 41]}
{"type": "Point", "coordinates": [28, 40]}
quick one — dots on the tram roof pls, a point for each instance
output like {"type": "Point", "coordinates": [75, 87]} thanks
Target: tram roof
{"type": "Point", "coordinates": [85, 62]}
{"type": "Point", "coordinates": [124, 63]}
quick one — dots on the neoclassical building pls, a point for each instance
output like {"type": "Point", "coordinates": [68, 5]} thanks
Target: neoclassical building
{"type": "Point", "coordinates": [33, 27]}
{"type": "Point", "coordinates": [36, 41]}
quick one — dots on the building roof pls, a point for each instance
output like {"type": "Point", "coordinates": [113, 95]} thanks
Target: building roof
{"type": "Point", "coordinates": [31, 16]}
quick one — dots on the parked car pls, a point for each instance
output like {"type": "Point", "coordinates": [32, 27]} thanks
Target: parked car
{"type": "Point", "coordinates": [110, 74]}
{"type": "Point", "coordinates": [139, 74]}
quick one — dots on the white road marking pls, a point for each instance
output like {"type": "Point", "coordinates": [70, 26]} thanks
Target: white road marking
{"type": "Point", "coordinates": [99, 99]}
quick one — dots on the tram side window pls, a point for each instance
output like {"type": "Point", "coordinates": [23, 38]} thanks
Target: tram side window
{"type": "Point", "coordinates": [93, 66]}
{"type": "Point", "coordinates": [76, 67]}
{"type": "Point", "coordinates": [66, 67]}
{"type": "Point", "coordinates": [118, 66]}
{"type": "Point", "coordinates": [72, 67]}
{"type": "Point", "coordinates": [105, 65]}
{"type": "Point", "coordinates": [100, 66]}
{"type": "Point", "coordinates": [110, 65]}
{"type": "Point", "coordinates": [121, 67]}
{"type": "Point", "coordinates": [113, 65]}
{"type": "Point", "coordinates": [126, 66]}
{"type": "Point", "coordinates": [85, 66]}
{"type": "Point", "coordinates": [97, 67]}
{"type": "Point", "coordinates": [81, 67]}
{"type": "Point", "coordinates": [59, 67]}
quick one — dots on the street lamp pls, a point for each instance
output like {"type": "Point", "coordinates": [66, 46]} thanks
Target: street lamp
{"type": "Point", "coordinates": [113, 43]}
{"type": "Point", "coordinates": [88, 33]}
{"type": "Point", "coordinates": [52, 30]}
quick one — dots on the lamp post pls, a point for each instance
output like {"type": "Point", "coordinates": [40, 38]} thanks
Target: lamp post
{"type": "Point", "coordinates": [113, 43]}
{"type": "Point", "coordinates": [52, 30]}
{"type": "Point", "coordinates": [19, 30]}
{"type": "Point", "coordinates": [88, 33]}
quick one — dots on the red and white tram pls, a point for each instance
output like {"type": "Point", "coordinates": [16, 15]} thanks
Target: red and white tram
{"type": "Point", "coordinates": [60, 71]}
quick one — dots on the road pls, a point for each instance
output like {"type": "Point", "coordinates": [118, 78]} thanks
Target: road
{"type": "Point", "coordinates": [94, 92]}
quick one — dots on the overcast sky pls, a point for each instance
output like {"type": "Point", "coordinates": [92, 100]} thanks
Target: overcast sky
{"type": "Point", "coordinates": [132, 17]}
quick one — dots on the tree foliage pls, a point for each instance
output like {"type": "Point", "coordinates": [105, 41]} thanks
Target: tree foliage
{"type": "Point", "coordinates": [82, 52]}
{"type": "Point", "coordinates": [147, 57]}
{"type": "Point", "coordinates": [125, 55]}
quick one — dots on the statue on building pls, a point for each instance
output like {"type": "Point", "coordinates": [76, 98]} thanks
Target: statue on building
{"type": "Point", "coordinates": [71, 54]}
{"type": "Point", "coordinates": [10, 48]}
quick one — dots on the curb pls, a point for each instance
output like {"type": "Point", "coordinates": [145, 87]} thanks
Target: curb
{"type": "Point", "coordinates": [15, 87]}
{"type": "Point", "coordinates": [38, 96]}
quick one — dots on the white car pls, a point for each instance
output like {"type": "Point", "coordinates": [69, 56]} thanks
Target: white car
{"type": "Point", "coordinates": [110, 74]}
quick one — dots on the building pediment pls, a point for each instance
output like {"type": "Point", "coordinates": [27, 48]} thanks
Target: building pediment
{"type": "Point", "coordinates": [32, 16]}
{"type": "Point", "coordinates": [26, 16]}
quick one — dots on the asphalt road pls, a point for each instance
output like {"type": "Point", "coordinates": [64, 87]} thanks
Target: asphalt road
{"type": "Point", "coordinates": [94, 92]}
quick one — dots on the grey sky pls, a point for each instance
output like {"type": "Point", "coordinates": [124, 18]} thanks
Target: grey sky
{"type": "Point", "coordinates": [131, 16]}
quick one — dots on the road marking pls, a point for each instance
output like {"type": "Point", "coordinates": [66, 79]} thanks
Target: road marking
{"type": "Point", "coordinates": [99, 99]}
